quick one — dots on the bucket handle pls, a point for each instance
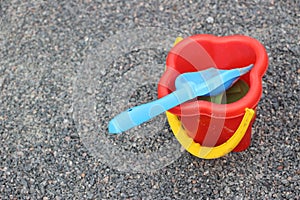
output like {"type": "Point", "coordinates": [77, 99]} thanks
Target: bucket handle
{"type": "Point", "coordinates": [209, 152]}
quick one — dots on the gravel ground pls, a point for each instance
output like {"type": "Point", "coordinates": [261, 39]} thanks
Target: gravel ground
{"type": "Point", "coordinates": [43, 46]}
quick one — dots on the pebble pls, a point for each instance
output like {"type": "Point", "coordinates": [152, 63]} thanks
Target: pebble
{"type": "Point", "coordinates": [210, 20]}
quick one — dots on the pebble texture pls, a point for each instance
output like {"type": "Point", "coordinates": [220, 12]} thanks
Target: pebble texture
{"type": "Point", "coordinates": [43, 43]}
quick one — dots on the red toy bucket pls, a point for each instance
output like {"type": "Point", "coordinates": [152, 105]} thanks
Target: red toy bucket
{"type": "Point", "coordinates": [210, 124]}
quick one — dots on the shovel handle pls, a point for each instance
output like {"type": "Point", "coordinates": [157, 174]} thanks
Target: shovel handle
{"type": "Point", "coordinates": [142, 113]}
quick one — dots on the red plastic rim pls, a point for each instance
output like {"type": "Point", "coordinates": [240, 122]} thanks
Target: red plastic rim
{"type": "Point", "coordinates": [227, 52]}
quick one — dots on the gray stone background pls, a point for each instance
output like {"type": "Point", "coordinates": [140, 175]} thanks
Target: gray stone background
{"type": "Point", "coordinates": [43, 43]}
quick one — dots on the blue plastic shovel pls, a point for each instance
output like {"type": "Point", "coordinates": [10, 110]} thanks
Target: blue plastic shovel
{"type": "Point", "coordinates": [210, 82]}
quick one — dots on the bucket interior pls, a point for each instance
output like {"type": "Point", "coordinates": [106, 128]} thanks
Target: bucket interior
{"type": "Point", "coordinates": [237, 91]}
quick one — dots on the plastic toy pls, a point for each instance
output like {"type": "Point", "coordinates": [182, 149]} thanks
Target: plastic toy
{"type": "Point", "coordinates": [205, 129]}
{"type": "Point", "coordinates": [210, 82]}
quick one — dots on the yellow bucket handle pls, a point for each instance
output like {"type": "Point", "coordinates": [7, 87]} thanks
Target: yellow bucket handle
{"type": "Point", "coordinates": [208, 152]}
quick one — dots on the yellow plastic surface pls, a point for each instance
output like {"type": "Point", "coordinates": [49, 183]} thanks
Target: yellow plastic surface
{"type": "Point", "coordinates": [178, 39]}
{"type": "Point", "coordinates": [208, 152]}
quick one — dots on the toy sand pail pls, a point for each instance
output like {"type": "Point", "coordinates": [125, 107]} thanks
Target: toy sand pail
{"type": "Point", "coordinates": [210, 130]}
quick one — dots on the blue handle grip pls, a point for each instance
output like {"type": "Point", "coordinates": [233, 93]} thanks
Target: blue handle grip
{"type": "Point", "coordinates": [142, 113]}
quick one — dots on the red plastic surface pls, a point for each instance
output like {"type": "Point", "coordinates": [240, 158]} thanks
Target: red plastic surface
{"type": "Point", "coordinates": [202, 119]}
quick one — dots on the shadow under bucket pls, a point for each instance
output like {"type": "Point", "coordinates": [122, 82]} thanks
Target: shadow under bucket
{"type": "Point", "coordinates": [211, 125]}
